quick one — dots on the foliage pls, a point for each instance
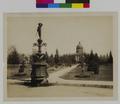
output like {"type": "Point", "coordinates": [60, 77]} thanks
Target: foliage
{"type": "Point", "coordinates": [13, 56]}
{"type": "Point", "coordinates": [16, 58]}
{"type": "Point", "coordinates": [56, 57]}
{"type": "Point", "coordinates": [69, 59]}
{"type": "Point", "coordinates": [110, 58]}
{"type": "Point", "coordinates": [106, 59]}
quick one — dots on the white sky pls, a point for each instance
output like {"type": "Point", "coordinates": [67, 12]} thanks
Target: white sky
{"type": "Point", "coordinates": [61, 32]}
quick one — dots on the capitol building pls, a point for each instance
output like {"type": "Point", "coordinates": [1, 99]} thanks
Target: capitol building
{"type": "Point", "coordinates": [79, 53]}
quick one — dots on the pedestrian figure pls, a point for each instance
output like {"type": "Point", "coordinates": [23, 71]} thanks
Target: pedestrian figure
{"type": "Point", "coordinates": [22, 66]}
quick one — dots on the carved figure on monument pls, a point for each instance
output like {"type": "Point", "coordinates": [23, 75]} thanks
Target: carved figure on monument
{"type": "Point", "coordinates": [39, 29]}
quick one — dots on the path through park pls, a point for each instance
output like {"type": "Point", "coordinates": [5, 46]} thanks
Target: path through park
{"type": "Point", "coordinates": [55, 78]}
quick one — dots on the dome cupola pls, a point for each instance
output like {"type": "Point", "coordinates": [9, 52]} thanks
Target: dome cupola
{"type": "Point", "coordinates": [79, 46]}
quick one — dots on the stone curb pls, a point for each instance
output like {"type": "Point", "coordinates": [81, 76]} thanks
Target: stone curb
{"type": "Point", "coordinates": [85, 85]}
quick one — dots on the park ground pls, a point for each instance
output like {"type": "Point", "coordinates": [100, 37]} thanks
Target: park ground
{"type": "Point", "coordinates": [60, 87]}
{"type": "Point", "coordinates": [17, 90]}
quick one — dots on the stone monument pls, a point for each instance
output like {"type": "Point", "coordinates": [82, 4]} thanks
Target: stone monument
{"type": "Point", "coordinates": [39, 72]}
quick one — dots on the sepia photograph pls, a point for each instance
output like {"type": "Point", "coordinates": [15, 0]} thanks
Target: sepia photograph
{"type": "Point", "coordinates": [60, 56]}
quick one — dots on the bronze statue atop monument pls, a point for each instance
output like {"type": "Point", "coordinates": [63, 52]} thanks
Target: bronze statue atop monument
{"type": "Point", "coordinates": [39, 29]}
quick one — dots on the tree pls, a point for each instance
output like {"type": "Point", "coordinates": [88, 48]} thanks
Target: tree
{"type": "Point", "coordinates": [86, 57]}
{"type": "Point", "coordinates": [57, 57]}
{"type": "Point", "coordinates": [96, 58]}
{"type": "Point", "coordinates": [13, 56]}
{"type": "Point", "coordinates": [93, 63]}
{"type": "Point", "coordinates": [91, 57]}
{"type": "Point", "coordinates": [110, 58]}
{"type": "Point", "coordinates": [51, 60]}
{"type": "Point", "coordinates": [46, 57]}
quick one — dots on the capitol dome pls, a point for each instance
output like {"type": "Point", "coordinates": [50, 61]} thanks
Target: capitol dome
{"type": "Point", "coordinates": [79, 46]}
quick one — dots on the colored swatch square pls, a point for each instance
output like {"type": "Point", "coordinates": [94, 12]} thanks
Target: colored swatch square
{"type": "Point", "coordinates": [86, 5]}
{"type": "Point", "coordinates": [77, 5]}
{"type": "Point", "coordinates": [67, 5]}
{"type": "Point", "coordinates": [41, 5]}
{"type": "Point", "coordinates": [77, 1]}
{"type": "Point", "coordinates": [59, 1]}
{"type": "Point", "coordinates": [44, 1]}
{"type": "Point", "coordinates": [53, 5]}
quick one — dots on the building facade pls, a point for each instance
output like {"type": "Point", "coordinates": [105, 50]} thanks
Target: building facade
{"type": "Point", "coordinates": [79, 53]}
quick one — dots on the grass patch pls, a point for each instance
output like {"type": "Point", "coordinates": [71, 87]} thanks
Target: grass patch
{"type": "Point", "coordinates": [105, 74]}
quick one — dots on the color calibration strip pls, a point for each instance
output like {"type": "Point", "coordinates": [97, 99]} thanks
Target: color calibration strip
{"type": "Point", "coordinates": [62, 3]}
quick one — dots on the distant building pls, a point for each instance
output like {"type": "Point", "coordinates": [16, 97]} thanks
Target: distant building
{"type": "Point", "coordinates": [79, 53]}
{"type": "Point", "coordinates": [79, 49]}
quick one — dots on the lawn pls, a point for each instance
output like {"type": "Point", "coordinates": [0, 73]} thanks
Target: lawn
{"type": "Point", "coordinates": [12, 71]}
{"type": "Point", "coordinates": [105, 74]}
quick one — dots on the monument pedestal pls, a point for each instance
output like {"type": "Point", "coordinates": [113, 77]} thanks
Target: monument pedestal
{"type": "Point", "coordinates": [39, 74]}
